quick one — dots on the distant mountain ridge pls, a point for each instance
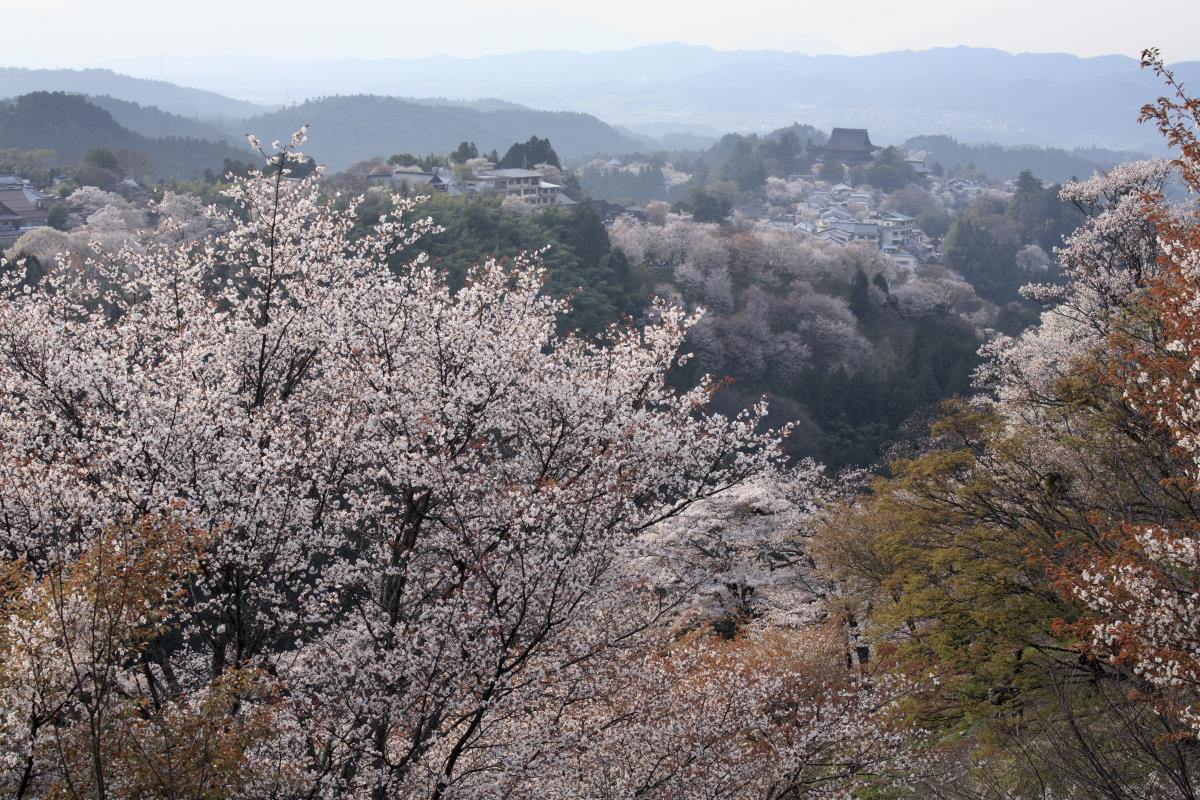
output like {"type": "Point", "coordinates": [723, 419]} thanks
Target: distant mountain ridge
{"type": "Point", "coordinates": [347, 129]}
{"type": "Point", "coordinates": [154, 122]}
{"type": "Point", "coordinates": [972, 94]}
{"type": "Point", "coordinates": [168, 97]}
{"type": "Point", "coordinates": [351, 128]}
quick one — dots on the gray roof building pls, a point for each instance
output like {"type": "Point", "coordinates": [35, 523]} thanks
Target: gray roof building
{"type": "Point", "coordinates": [849, 145]}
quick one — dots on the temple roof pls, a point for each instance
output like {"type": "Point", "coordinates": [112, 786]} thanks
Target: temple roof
{"type": "Point", "coordinates": [850, 139]}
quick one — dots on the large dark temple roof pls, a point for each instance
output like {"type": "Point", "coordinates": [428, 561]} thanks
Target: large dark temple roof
{"type": "Point", "coordinates": [849, 142]}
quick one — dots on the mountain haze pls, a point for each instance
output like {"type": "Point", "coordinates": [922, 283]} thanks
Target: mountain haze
{"type": "Point", "coordinates": [166, 96]}
{"type": "Point", "coordinates": [151, 121]}
{"type": "Point", "coordinates": [972, 94]}
{"type": "Point", "coordinates": [347, 129]}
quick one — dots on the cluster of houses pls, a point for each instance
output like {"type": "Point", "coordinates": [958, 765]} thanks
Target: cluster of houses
{"type": "Point", "coordinates": [22, 208]}
{"type": "Point", "coordinates": [844, 215]}
{"type": "Point", "coordinates": [526, 185]}
{"type": "Point", "coordinates": [963, 190]}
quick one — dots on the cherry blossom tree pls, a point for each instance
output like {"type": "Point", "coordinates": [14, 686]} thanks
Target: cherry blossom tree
{"type": "Point", "coordinates": [1033, 260]}
{"type": "Point", "coordinates": [1140, 584]}
{"type": "Point", "coordinates": [111, 221]}
{"type": "Point", "coordinates": [1108, 262]}
{"type": "Point", "coordinates": [418, 513]}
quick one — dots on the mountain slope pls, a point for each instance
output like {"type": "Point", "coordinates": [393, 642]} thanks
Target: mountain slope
{"type": "Point", "coordinates": [156, 123]}
{"type": "Point", "coordinates": [99, 82]}
{"type": "Point", "coordinates": [1048, 163]}
{"type": "Point", "coordinates": [972, 94]}
{"type": "Point", "coordinates": [347, 129]}
{"type": "Point", "coordinates": [70, 125]}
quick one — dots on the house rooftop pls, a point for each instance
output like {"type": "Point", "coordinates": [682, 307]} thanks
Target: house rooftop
{"type": "Point", "coordinates": [512, 173]}
{"type": "Point", "coordinates": [19, 200]}
{"type": "Point", "coordinates": [413, 178]}
{"type": "Point", "coordinates": [838, 212]}
{"type": "Point", "coordinates": [856, 228]}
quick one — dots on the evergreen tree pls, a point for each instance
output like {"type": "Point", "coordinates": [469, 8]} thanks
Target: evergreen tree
{"type": "Point", "coordinates": [832, 170]}
{"type": "Point", "coordinates": [526, 155]}
{"type": "Point", "coordinates": [464, 152]}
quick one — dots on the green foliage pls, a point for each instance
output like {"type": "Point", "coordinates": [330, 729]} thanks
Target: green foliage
{"type": "Point", "coordinates": [745, 167]}
{"type": "Point", "coordinates": [890, 172]}
{"type": "Point", "coordinates": [57, 217]}
{"type": "Point", "coordinates": [982, 243]}
{"type": "Point", "coordinates": [1040, 216]}
{"type": "Point", "coordinates": [464, 152]}
{"type": "Point", "coordinates": [580, 261]}
{"type": "Point", "coordinates": [633, 186]}
{"type": "Point", "coordinates": [527, 155]}
{"type": "Point", "coordinates": [787, 150]}
{"type": "Point", "coordinates": [860, 296]}
{"type": "Point", "coordinates": [957, 588]}
{"type": "Point", "coordinates": [236, 167]}
{"type": "Point", "coordinates": [404, 160]}
{"type": "Point", "coordinates": [102, 159]}
{"type": "Point", "coordinates": [953, 557]}
{"type": "Point", "coordinates": [918, 364]}
{"type": "Point", "coordinates": [832, 171]}
{"type": "Point", "coordinates": [37, 165]}
{"type": "Point", "coordinates": [748, 160]}
{"type": "Point", "coordinates": [935, 222]}
{"type": "Point", "coordinates": [708, 206]}
{"type": "Point", "coordinates": [986, 262]}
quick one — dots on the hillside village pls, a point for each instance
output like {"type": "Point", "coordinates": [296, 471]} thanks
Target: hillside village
{"type": "Point", "coordinates": [832, 201]}
{"type": "Point", "coordinates": [835, 212]}
{"type": "Point", "coordinates": [844, 214]}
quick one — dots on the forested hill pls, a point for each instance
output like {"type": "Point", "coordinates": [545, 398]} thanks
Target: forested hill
{"type": "Point", "coordinates": [152, 121]}
{"type": "Point", "coordinates": [167, 96]}
{"type": "Point", "coordinates": [1048, 163]}
{"type": "Point", "coordinates": [71, 126]}
{"type": "Point", "coordinates": [348, 129]}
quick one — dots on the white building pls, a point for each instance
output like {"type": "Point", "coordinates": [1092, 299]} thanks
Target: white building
{"type": "Point", "coordinates": [526, 185]}
{"type": "Point", "coordinates": [896, 231]}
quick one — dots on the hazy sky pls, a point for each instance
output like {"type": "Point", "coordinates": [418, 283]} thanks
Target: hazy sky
{"type": "Point", "coordinates": [139, 32]}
